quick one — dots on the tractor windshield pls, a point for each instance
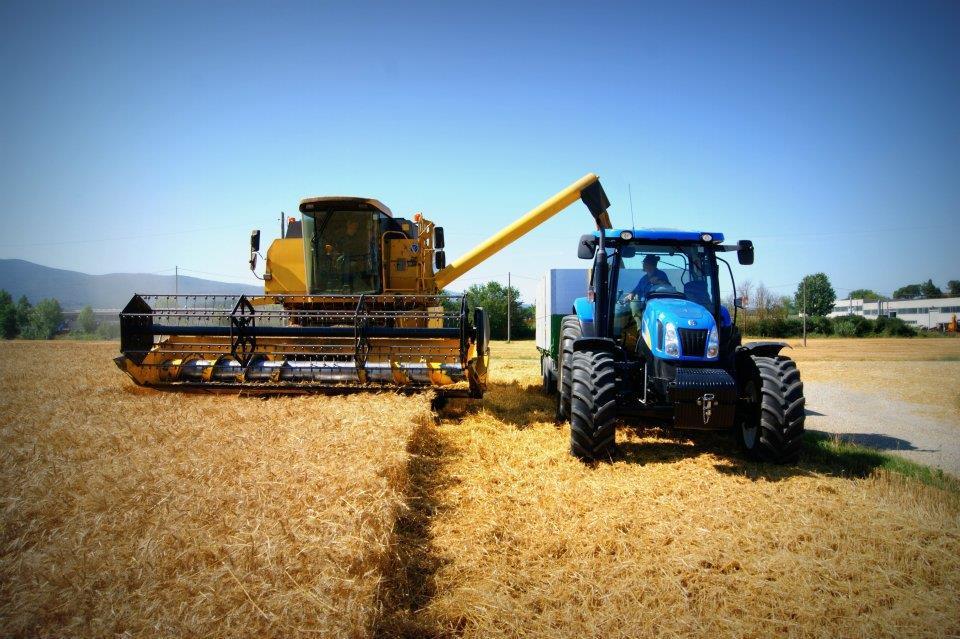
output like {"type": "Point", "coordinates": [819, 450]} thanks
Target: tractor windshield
{"type": "Point", "coordinates": [661, 270]}
{"type": "Point", "coordinates": [342, 252]}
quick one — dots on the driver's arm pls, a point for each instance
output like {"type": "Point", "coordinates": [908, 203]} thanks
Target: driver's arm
{"type": "Point", "coordinates": [640, 290]}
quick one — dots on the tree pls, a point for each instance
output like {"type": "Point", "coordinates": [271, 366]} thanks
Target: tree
{"type": "Point", "coordinates": [789, 305]}
{"type": "Point", "coordinates": [929, 289]}
{"type": "Point", "coordinates": [820, 294]}
{"type": "Point", "coordinates": [86, 322]}
{"type": "Point", "coordinates": [907, 292]}
{"type": "Point", "coordinates": [492, 296]}
{"type": "Point", "coordinates": [768, 304]}
{"type": "Point", "coordinates": [866, 295]}
{"type": "Point", "coordinates": [953, 286]}
{"type": "Point", "coordinates": [8, 316]}
{"type": "Point", "coordinates": [24, 309]}
{"type": "Point", "coordinates": [45, 320]}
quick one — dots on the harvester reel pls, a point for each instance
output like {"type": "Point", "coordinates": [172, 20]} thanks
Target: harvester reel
{"type": "Point", "coordinates": [243, 344]}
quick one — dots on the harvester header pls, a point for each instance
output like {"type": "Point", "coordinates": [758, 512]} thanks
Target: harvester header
{"type": "Point", "coordinates": [352, 299]}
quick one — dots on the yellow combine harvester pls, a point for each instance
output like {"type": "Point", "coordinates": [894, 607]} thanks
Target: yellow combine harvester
{"type": "Point", "coordinates": [352, 298]}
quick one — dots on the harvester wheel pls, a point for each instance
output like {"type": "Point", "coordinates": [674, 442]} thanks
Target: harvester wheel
{"type": "Point", "coordinates": [593, 406]}
{"type": "Point", "coordinates": [771, 422]}
{"type": "Point", "coordinates": [569, 332]}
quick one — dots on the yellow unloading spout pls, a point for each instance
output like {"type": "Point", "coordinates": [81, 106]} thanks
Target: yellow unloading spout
{"type": "Point", "coordinates": [587, 188]}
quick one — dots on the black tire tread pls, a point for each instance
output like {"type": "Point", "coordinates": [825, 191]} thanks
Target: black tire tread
{"type": "Point", "coordinates": [569, 332]}
{"type": "Point", "coordinates": [782, 413]}
{"type": "Point", "coordinates": [593, 406]}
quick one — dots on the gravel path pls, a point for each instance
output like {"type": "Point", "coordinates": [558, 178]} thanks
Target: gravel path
{"type": "Point", "coordinates": [887, 424]}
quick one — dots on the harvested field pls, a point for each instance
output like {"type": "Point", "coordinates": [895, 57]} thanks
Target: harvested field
{"type": "Point", "coordinates": [158, 514]}
{"type": "Point", "coordinates": [924, 371]}
{"type": "Point", "coordinates": [679, 537]}
{"type": "Point", "coordinates": [164, 514]}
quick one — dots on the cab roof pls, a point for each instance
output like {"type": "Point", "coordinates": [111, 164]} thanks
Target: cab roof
{"type": "Point", "coordinates": [662, 234]}
{"type": "Point", "coordinates": [313, 204]}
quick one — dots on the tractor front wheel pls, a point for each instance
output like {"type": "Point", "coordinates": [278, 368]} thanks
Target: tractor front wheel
{"type": "Point", "coordinates": [593, 406]}
{"type": "Point", "coordinates": [770, 427]}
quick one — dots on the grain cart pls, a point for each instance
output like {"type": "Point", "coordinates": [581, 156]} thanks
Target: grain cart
{"type": "Point", "coordinates": [353, 298]}
{"type": "Point", "coordinates": [651, 341]}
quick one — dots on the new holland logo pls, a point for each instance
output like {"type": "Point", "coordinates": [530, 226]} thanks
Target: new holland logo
{"type": "Point", "coordinates": [706, 402]}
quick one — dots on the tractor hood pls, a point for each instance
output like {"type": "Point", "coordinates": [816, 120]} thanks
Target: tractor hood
{"type": "Point", "coordinates": [687, 324]}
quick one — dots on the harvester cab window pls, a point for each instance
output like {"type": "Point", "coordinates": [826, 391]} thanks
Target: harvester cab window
{"type": "Point", "coordinates": [342, 251]}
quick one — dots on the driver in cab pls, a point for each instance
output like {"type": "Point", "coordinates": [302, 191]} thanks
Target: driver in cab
{"type": "Point", "coordinates": [652, 277]}
{"type": "Point", "coordinates": [354, 260]}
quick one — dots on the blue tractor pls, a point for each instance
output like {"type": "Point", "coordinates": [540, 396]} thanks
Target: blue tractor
{"type": "Point", "coordinates": [651, 342]}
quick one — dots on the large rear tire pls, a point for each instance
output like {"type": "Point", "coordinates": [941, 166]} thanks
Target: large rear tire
{"type": "Point", "coordinates": [593, 406]}
{"type": "Point", "coordinates": [771, 425]}
{"type": "Point", "coordinates": [569, 332]}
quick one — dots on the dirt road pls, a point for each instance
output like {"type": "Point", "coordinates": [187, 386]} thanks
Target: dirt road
{"type": "Point", "coordinates": [877, 420]}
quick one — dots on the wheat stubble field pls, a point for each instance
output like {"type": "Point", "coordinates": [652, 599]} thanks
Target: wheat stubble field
{"type": "Point", "coordinates": [155, 514]}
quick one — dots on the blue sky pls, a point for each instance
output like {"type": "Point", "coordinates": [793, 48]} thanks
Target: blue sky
{"type": "Point", "coordinates": [140, 136]}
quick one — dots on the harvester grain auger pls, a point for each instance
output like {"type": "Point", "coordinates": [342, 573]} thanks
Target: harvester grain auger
{"type": "Point", "coordinates": [352, 299]}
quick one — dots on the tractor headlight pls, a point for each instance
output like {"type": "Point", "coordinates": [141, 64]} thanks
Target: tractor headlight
{"type": "Point", "coordinates": [713, 343]}
{"type": "Point", "coordinates": [626, 235]}
{"type": "Point", "coordinates": [671, 344]}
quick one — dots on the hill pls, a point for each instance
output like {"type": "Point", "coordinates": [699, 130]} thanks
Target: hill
{"type": "Point", "coordinates": [75, 290]}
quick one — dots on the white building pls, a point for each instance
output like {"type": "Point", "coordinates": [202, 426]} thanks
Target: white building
{"type": "Point", "coordinates": [922, 313]}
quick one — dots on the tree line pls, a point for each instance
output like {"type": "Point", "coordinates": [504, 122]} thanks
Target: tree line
{"type": "Point", "coordinates": [23, 320]}
{"type": "Point", "coordinates": [910, 291]}
{"type": "Point", "coordinates": [767, 314]}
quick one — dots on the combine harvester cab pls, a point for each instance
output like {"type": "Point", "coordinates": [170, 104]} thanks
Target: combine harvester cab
{"type": "Point", "coordinates": [353, 298]}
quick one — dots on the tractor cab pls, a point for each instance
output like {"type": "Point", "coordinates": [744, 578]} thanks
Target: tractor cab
{"type": "Point", "coordinates": [658, 284]}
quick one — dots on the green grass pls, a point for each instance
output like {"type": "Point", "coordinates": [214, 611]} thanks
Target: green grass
{"type": "Point", "coordinates": [840, 457]}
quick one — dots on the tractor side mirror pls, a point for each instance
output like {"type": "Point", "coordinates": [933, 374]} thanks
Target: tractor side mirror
{"type": "Point", "coordinates": [440, 260]}
{"type": "Point", "coordinates": [745, 252]}
{"type": "Point", "coordinates": [587, 247]}
{"type": "Point", "coordinates": [438, 237]}
{"type": "Point", "coordinates": [737, 303]}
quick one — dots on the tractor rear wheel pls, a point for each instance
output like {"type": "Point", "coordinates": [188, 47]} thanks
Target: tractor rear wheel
{"type": "Point", "coordinates": [771, 421]}
{"type": "Point", "coordinates": [569, 332]}
{"type": "Point", "coordinates": [593, 406]}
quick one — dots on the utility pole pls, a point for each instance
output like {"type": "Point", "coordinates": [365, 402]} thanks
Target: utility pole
{"type": "Point", "coordinates": [508, 307]}
{"type": "Point", "coordinates": [281, 224]}
{"type": "Point", "coordinates": [804, 311]}
{"type": "Point", "coordinates": [176, 280]}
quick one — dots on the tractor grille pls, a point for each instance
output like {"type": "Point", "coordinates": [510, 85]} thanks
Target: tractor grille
{"type": "Point", "coordinates": [693, 341]}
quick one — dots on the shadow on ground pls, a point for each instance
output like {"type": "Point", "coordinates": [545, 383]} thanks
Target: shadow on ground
{"type": "Point", "coordinates": [876, 441]}
{"type": "Point", "coordinates": [520, 405]}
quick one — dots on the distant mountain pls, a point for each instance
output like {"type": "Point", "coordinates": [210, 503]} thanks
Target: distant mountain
{"type": "Point", "coordinates": [75, 290]}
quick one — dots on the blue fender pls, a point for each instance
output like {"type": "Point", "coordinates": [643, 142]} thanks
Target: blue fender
{"type": "Point", "coordinates": [583, 309]}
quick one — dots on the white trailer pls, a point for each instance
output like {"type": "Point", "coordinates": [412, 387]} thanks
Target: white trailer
{"type": "Point", "coordinates": [555, 294]}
